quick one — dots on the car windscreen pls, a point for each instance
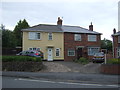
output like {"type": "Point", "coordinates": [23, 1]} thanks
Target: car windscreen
{"type": "Point", "coordinates": [98, 54]}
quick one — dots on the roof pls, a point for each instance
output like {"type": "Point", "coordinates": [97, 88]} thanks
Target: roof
{"type": "Point", "coordinates": [116, 34]}
{"type": "Point", "coordinates": [44, 28]}
{"type": "Point", "coordinates": [58, 28]}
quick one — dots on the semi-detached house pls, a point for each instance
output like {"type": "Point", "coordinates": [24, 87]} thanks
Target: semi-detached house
{"type": "Point", "coordinates": [62, 42]}
{"type": "Point", "coordinates": [116, 43]}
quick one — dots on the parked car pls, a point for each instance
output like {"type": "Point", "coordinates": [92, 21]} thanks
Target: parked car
{"type": "Point", "coordinates": [32, 53]}
{"type": "Point", "coordinates": [98, 57]}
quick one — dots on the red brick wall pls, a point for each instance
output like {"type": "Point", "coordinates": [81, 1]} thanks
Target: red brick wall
{"type": "Point", "coordinates": [110, 69]}
{"type": "Point", "coordinates": [115, 45]}
{"type": "Point", "coordinates": [70, 43]}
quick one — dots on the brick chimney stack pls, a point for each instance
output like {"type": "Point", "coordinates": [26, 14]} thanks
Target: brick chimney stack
{"type": "Point", "coordinates": [59, 22]}
{"type": "Point", "coordinates": [114, 31]}
{"type": "Point", "coordinates": [91, 27]}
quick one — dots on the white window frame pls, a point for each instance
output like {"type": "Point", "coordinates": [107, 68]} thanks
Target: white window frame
{"type": "Point", "coordinates": [91, 52]}
{"type": "Point", "coordinates": [50, 36]}
{"type": "Point", "coordinates": [118, 52]}
{"type": "Point", "coordinates": [119, 39]}
{"type": "Point", "coordinates": [33, 36]}
{"type": "Point", "coordinates": [77, 37]}
{"type": "Point", "coordinates": [58, 52]}
{"type": "Point", "coordinates": [31, 48]}
{"type": "Point", "coordinates": [71, 51]}
{"type": "Point", "coordinates": [92, 38]}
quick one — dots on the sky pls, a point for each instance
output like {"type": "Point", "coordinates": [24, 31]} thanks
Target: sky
{"type": "Point", "coordinates": [102, 13]}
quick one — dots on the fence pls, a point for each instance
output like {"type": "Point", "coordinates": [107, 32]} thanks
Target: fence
{"type": "Point", "coordinates": [11, 51]}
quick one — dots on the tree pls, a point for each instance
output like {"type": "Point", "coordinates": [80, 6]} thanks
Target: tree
{"type": "Point", "coordinates": [106, 44]}
{"type": "Point", "coordinates": [17, 31]}
{"type": "Point", "coordinates": [2, 27]}
{"type": "Point", "coordinates": [8, 39]}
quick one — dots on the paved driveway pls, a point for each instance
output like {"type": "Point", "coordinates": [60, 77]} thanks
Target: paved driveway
{"type": "Point", "coordinates": [63, 66]}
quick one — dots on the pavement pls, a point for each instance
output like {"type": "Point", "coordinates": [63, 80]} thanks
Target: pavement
{"type": "Point", "coordinates": [66, 76]}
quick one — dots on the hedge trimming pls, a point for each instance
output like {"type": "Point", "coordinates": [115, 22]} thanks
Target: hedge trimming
{"type": "Point", "coordinates": [20, 58]}
{"type": "Point", "coordinates": [113, 61]}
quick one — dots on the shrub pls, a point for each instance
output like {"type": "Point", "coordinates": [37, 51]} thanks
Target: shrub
{"type": "Point", "coordinates": [113, 61]}
{"type": "Point", "coordinates": [82, 60]}
{"type": "Point", "coordinates": [20, 58]}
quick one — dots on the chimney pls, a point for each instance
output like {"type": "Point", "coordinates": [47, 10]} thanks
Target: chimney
{"type": "Point", "coordinates": [114, 31]}
{"type": "Point", "coordinates": [59, 22]}
{"type": "Point", "coordinates": [91, 27]}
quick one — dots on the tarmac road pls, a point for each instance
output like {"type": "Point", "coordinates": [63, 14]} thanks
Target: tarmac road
{"type": "Point", "coordinates": [14, 82]}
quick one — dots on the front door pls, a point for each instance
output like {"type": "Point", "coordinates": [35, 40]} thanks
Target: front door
{"type": "Point", "coordinates": [79, 53]}
{"type": "Point", "coordinates": [50, 55]}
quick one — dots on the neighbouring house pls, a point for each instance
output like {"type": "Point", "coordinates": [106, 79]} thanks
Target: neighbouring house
{"type": "Point", "coordinates": [62, 42]}
{"type": "Point", "coordinates": [116, 43]}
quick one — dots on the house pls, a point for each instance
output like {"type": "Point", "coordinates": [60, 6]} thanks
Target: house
{"type": "Point", "coordinates": [62, 42]}
{"type": "Point", "coordinates": [116, 43]}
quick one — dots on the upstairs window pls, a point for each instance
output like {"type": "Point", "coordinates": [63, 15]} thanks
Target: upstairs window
{"type": "Point", "coordinates": [77, 37]}
{"type": "Point", "coordinates": [34, 35]}
{"type": "Point", "coordinates": [49, 36]}
{"type": "Point", "coordinates": [92, 38]}
{"type": "Point", "coordinates": [118, 39]}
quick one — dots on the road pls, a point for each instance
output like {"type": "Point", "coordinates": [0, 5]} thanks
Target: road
{"type": "Point", "coordinates": [14, 82]}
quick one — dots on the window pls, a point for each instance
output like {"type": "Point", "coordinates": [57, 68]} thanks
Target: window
{"type": "Point", "coordinates": [71, 52]}
{"type": "Point", "coordinates": [49, 36]}
{"type": "Point", "coordinates": [34, 35]}
{"type": "Point", "coordinates": [34, 48]}
{"type": "Point", "coordinates": [38, 49]}
{"type": "Point", "coordinates": [30, 49]}
{"type": "Point", "coordinates": [92, 38]}
{"type": "Point", "coordinates": [93, 50]}
{"type": "Point", "coordinates": [118, 39]}
{"type": "Point", "coordinates": [57, 51]}
{"type": "Point", "coordinates": [77, 37]}
{"type": "Point", "coordinates": [118, 52]}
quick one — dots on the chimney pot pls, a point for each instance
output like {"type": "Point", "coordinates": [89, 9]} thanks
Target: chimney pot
{"type": "Point", "coordinates": [91, 27]}
{"type": "Point", "coordinates": [114, 31]}
{"type": "Point", "coordinates": [59, 22]}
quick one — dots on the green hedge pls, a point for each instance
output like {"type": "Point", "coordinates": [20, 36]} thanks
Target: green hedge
{"type": "Point", "coordinates": [113, 61]}
{"type": "Point", "coordinates": [82, 60]}
{"type": "Point", "coordinates": [20, 58]}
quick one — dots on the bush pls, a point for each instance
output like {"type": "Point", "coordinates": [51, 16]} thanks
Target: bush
{"type": "Point", "coordinates": [20, 58]}
{"type": "Point", "coordinates": [82, 60]}
{"type": "Point", "coordinates": [113, 61]}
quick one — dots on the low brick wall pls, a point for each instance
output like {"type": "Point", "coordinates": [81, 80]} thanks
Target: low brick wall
{"type": "Point", "coordinates": [28, 66]}
{"type": "Point", "coordinates": [110, 69]}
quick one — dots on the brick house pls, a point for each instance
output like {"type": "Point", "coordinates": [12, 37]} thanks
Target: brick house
{"type": "Point", "coordinates": [80, 42]}
{"type": "Point", "coordinates": [67, 43]}
{"type": "Point", "coordinates": [116, 43]}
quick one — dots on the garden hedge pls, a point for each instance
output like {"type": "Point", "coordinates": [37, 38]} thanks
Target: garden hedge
{"type": "Point", "coordinates": [21, 63]}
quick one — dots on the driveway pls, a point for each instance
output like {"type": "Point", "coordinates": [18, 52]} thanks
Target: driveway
{"type": "Point", "coordinates": [63, 66]}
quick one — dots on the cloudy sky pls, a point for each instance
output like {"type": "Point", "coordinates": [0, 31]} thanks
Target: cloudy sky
{"type": "Point", "coordinates": [102, 13]}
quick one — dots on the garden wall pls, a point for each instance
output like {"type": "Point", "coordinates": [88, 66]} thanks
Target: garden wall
{"type": "Point", "coordinates": [110, 69]}
{"type": "Point", "coordinates": [28, 66]}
